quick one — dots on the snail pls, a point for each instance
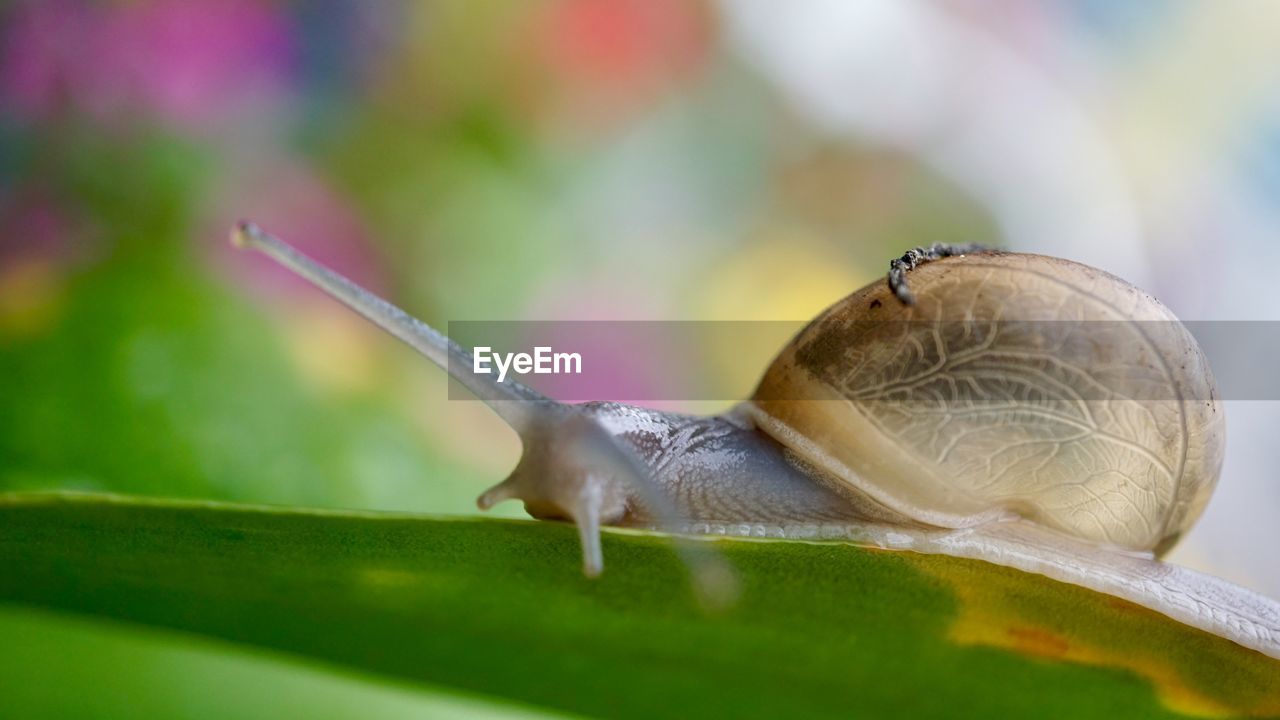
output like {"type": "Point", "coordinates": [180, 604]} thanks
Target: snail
{"type": "Point", "coordinates": [1019, 409]}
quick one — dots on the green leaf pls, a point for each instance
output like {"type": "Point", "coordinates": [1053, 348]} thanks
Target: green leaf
{"type": "Point", "coordinates": [500, 608]}
{"type": "Point", "coordinates": [57, 665]}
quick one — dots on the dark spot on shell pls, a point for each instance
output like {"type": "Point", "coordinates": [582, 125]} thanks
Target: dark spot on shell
{"type": "Point", "coordinates": [875, 304]}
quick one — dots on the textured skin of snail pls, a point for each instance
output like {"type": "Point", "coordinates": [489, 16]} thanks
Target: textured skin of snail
{"type": "Point", "coordinates": [1025, 411]}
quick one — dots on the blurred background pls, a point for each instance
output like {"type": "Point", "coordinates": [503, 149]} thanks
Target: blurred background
{"type": "Point", "coordinates": [552, 160]}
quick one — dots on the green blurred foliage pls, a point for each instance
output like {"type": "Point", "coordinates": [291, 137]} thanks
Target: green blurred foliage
{"type": "Point", "coordinates": [155, 379]}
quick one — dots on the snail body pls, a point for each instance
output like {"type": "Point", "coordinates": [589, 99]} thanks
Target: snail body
{"type": "Point", "coordinates": [1018, 409]}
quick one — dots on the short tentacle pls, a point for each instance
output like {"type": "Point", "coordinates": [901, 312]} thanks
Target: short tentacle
{"type": "Point", "coordinates": [587, 517]}
{"type": "Point", "coordinates": [505, 490]}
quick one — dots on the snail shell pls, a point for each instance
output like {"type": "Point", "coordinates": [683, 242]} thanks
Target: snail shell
{"type": "Point", "coordinates": [1015, 385]}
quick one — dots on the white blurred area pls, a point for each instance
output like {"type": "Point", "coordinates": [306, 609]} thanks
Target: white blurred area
{"type": "Point", "coordinates": [1144, 155]}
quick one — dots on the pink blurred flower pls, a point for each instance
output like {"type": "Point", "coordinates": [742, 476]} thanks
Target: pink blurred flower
{"type": "Point", "coordinates": [185, 62]}
{"type": "Point", "coordinates": [37, 46]}
{"type": "Point", "coordinates": [637, 362]}
{"type": "Point", "coordinates": [623, 362]}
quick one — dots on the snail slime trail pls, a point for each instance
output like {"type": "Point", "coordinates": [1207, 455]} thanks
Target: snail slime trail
{"type": "Point", "coordinates": [543, 361]}
{"type": "Point", "coordinates": [989, 413]}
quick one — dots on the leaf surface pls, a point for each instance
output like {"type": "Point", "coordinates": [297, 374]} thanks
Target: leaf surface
{"type": "Point", "coordinates": [500, 608]}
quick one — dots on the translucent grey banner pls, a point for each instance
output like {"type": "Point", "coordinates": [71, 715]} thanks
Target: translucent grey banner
{"type": "Point", "coordinates": [945, 362]}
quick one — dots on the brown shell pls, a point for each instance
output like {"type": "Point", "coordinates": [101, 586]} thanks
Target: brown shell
{"type": "Point", "coordinates": [1017, 384]}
